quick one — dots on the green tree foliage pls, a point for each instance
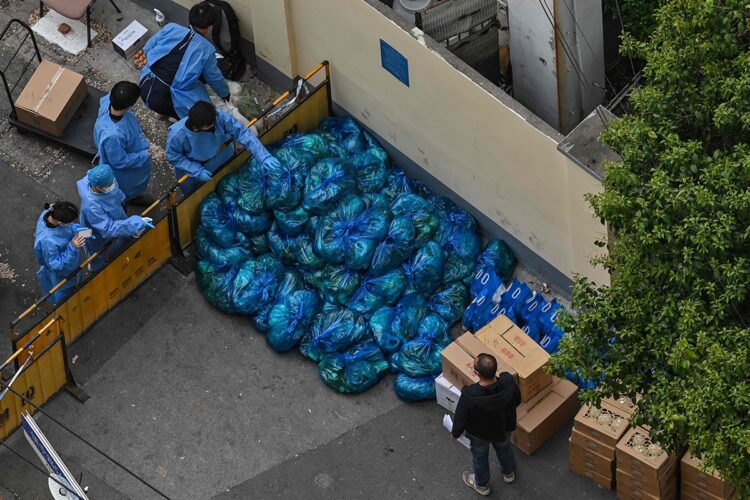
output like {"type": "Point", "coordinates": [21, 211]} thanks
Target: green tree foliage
{"type": "Point", "coordinates": [637, 15]}
{"type": "Point", "coordinates": [674, 325]}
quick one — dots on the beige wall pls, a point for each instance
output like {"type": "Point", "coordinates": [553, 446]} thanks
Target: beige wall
{"type": "Point", "coordinates": [466, 138]}
{"type": "Point", "coordinates": [241, 8]}
{"type": "Point", "coordinates": [274, 39]}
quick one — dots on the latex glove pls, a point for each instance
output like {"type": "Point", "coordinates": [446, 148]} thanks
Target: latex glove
{"type": "Point", "coordinates": [272, 162]}
{"type": "Point", "coordinates": [77, 242]}
{"type": "Point", "coordinates": [148, 222]}
{"type": "Point", "coordinates": [204, 175]}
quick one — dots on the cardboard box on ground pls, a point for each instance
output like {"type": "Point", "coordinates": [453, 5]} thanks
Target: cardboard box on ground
{"type": "Point", "coordinates": [51, 98]}
{"type": "Point", "coordinates": [641, 475]}
{"type": "Point", "coordinates": [698, 484]}
{"type": "Point", "coordinates": [130, 40]}
{"type": "Point", "coordinates": [547, 406]}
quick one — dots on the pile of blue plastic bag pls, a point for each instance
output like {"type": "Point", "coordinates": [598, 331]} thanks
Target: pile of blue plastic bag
{"type": "Point", "coordinates": [342, 256]}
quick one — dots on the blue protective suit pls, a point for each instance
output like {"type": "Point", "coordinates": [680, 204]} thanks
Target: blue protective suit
{"type": "Point", "coordinates": [105, 215]}
{"type": "Point", "coordinates": [198, 63]}
{"type": "Point", "coordinates": [56, 256]}
{"type": "Point", "coordinates": [199, 154]}
{"type": "Point", "coordinates": [122, 146]}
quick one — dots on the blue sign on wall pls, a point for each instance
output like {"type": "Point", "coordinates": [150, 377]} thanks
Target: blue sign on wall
{"type": "Point", "coordinates": [394, 62]}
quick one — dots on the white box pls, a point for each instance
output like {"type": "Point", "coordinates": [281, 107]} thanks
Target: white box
{"type": "Point", "coordinates": [130, 40]}
{"type": "Point", "coordinates": [446, 393]}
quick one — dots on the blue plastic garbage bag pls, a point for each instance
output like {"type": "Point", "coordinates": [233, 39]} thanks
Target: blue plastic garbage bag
{"type": "Point", "coordinates": [228, 189]}
{"type": "Point", "coordinates": [422, 216]}
{"type": "Point", "coordinates": [413, 389]}
{"type": "Point", "coordinates": [424, 271]}
{"type": "Point", "coordinates": [397, 246]}
{"type": "Point", "coordinates": [297, 160]}
{"type": "Point", "coordinates": [216, 223]}
{"type": "Point", "coordinates": [347, 131]}
{"type": "Point", "coordinates": [392, 326]}
{"type": "Point", "coordinates": [450, 302]}
{"type": "Point", "coordinates": [498, 256]}
{"type": "Point", "coordinates": [256, 284]}
{"type": "Point", "coordinates": [355, 370]}
{"type": "Point", "coordinates": [216, 284]}
{"type": "Point", "coordinates": [451, 218]}
{"type": "Point", "coordinates": [418, 357]}
{"type": "Point", "coordinates": [349, 233]}
{"type": "Point", "coordinates": [328, 181]}
{"type": "Point", "coordinates": [485, 281]}
{"type": "Point", "coordinates": [376, 200]}
{"type": "Point", "coordinates": [218, 255]}
{"type": "Point", "coordinates": [371, 166]}
{"type": "Point", "coordinates": [252, 184]}
{"type": "Point", "coordinates": [333, 146]}
{"type": "Point", "coordinates": [290, 318]}
{"type": "Point", "coordinates": [339, 284]}
{"type": "Point", "coordinates": [311, 228]}
{"type": "Point", "coordinates": [260, 319]}
{"type": "Point", "coordinates": [456, 268]}
{"type": "Point", "coordinates": [259, 244]}
{"type": "Point", "coordinates": [249, 223]}
{"type": "Point", "coordinates": [282, 191]}
{"type": "Point", "coordinates": [333, 331]}
{"type": "Point", "coordinates": [311, 143]}
{"type": "Point", "coordinates": [285, 247]}
{"type": "Point", "coordinates": [397, 183]}
{"type": "Point", "coordinates": [290, 283]}
{"type": "Point", "coordinates": [464, 244]}
{"type": "Point", "coordinates": [435, 329]}
{"type": "Point", "coordinates": [377, 291]}
{"type": "Point", "coordinates": [292, 222]}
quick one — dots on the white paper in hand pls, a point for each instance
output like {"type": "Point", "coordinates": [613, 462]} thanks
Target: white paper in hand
{"type": "Point", "coordinates": [448, 424]}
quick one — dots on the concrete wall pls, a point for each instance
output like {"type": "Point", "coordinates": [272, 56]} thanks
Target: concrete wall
{"type": "Point", "coordinates": [475, 141]}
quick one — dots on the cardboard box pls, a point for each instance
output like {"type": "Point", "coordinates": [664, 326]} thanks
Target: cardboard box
{"type": "Point", "coordinates": [651, 472]}
{"type": "Point", "coordinates": [629, 487]}
{"type": "Point", "coordinates": [627, 409]}
{"type": "Point", "coordinates": [458, 366]}
{"type": "Point", "coordinates": [474, 347]}
{"type": "Point", "coordinates": [130, 40]}
{"type": "Point", "coordinates": [51, 98]}
{"type": "Point", "coordinates": [514, 347]}
{"type": "Point", "coordinates": [544, 419]}
{"type": "Point", "coordinates": [709, 483]}
{"type": "Point", "coordinates": [586, 422]}
{"type": "Point", "coordinates": [588, 443]}
{"type": "Point", "coordinates": [588, 460]}
{"type": "Point", "coordinates": [600, 479]}
{"type": "Point", "coordinates": [690, 490]}
{"type": "Point", "coordinates": [446, 393]}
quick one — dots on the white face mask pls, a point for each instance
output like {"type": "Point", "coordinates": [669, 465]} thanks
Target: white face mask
{"type": "Point", "coordinates": [110, 188]}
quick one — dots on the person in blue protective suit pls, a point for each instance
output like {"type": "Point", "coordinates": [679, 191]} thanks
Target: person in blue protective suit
{"type": "Point", "coordinates": [200, 143]}
{"type": "Point", "coordinates": [102, 210]}
{"type": "Point", "coordinates": [57, 245]}
{"type": "Point", "coordinates": [121, 144]}
{"type": "Point", "coordinates": [178, 61]}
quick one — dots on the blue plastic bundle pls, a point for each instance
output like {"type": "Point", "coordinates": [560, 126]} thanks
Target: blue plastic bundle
{"type": "Point", "coordinates": [306, 256]}
{"type": "Point", "coordinates": [450, 302]}
{"type": "Point", "coordinates": [216, 223]}
{"type": "Point", "coordinates": [413, 389]}
{"type": "Point", "coordinates": [395, 248]}
{"type": "Point", "coordinates": [292, 222]}
{"type": "Point", "coordinates": [371, 166]}
{"type": "Point", "coordinates": [249, 223]}
{"type": "Point", "coordinates": [285, 247]}
{"type": "Point", "coordinates": [290, 318]}
{"type": "Point", "coordinates": [377, 291]}
{"type": "Point", "coordinates": [355, 370]}
{"type": "Point", "coordinates": [451, 218]}
{"type": "Point", "coordinates": [516, 294]}
{"type": "Point", "coordinates": [290, 283]}
{"type": "Point", "coordinates": [498, 257]}
{"type": "Point", "coordinates": [417, 358]}
{"type": "Point", "coordinates": [485, 282]}
{"type": "Point", "coordinates": [335, 149]}
{"type": "Point", "coordinates": [424, 271]}
{"type": "Point", "coordinates": [435, 329]}
{"type": "Point", "coordinates": [259, 244]}
{"type": "Point", "coordinates": [397, 183]}
{"type": "Point", "coordinates": [218, 255]}
{"type": "Point", "coordinates": [376, 200]}
{"type": "Point", "coordinates": [329, 180]}
{"type": "Point", "coordinates": [297, 160]}
{"type": "Point", "coordinates": [338, 284]}
{"type": "Point", "coordinates": [422, 216]}
{"type": "Point", "coordinates": [216, 284]}
{"type": "Point", "coordinates": [334, 331]}
{"type": "Point", "coordinates": [392, 326]}
{"type": "Point", "coordinates": [311, 143]}
{"type": "Point", "coordinates": [347, 131]}
{"type": "Point", "coordinates": [260, 318]}
{"type": "Point", "coordinates": [282, 191]}
{"type": "Point", "coordinates": [256, 284]}
{"type": "Point", "coordinates": [349, 233]}
{"type": "Point", "coordinates": [252, 185]}
{"type": "Point", "coordinates": [462, 248]}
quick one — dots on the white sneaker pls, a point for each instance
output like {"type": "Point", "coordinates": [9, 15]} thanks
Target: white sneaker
{"type": "Point", "coordinates": [509, 478]}
{"type": "Point", "coordinates": [470, 481]}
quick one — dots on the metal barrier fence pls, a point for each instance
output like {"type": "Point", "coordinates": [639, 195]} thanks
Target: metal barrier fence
{"type": "Point", "coordinates": [174, 230]}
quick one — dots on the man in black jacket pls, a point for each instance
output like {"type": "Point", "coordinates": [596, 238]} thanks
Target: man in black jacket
{"type": "Point", "coordinates": [487, 412]}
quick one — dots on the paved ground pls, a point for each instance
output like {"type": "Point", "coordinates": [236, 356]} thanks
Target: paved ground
{"type": "Point", "coordinates": [193, 400]}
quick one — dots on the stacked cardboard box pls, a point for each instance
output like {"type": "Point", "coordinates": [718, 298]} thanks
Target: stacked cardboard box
{"type": "Point", "coordinates": [696, 484]}
{"type": "Point", "coordinates": [643, 469]}
{"type": "Point", "coordinates": [596, 432]}
{"type": "Point", "coordinates": [548, 402]}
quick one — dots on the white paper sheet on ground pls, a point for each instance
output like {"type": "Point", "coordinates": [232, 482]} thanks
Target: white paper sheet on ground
{"type": "Point", "coordinates": [73, 42]}
{"type": "Point", "coordinates": [448, 424]}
